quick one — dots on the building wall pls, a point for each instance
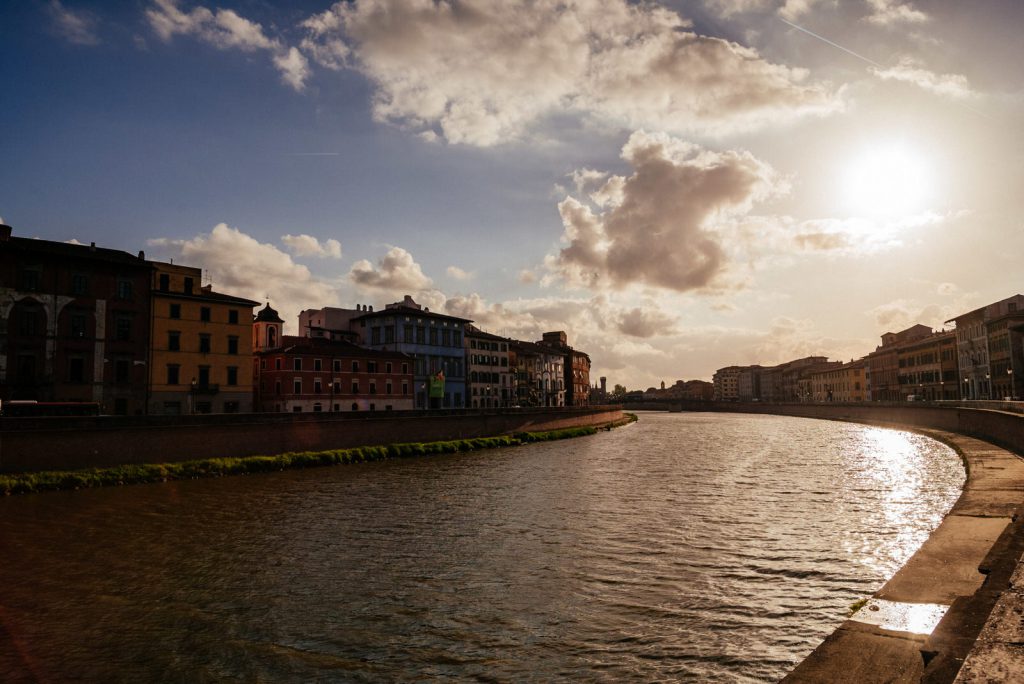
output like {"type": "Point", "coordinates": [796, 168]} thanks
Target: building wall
{"type": "Point", "coordinates": [74, 324]}
{"type": "Point", "coordinates": [211, 370]}
{"type": "Point", "coordinates": [490, 378]}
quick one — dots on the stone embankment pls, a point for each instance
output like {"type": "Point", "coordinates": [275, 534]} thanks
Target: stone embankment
{"type": "Point", "coordinates": [955, 611]}
{"type": "Point", "coordinates": [44, 444]}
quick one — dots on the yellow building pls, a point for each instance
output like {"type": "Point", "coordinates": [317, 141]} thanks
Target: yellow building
{"type": "Point", "coordinates": [200, 346]}
{"type": "Point", "coordinates": [843, 383]}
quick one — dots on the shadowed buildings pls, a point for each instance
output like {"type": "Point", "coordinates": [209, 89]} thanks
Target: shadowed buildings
{"type": "Point", "coordinates": [982, 333]}
{"type": "Point", "coordinates": [491, 379]}
{"type": "Point", "coordinates": [75, 323]}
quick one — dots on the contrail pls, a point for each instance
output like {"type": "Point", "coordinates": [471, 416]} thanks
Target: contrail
{"type": "Point", "coordinates": [313, 154]}
{"type": "Point", "coordinates": [835, 45]}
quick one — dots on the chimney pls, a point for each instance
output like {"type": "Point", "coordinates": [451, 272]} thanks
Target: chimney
{"type": "Point", "coordinates": [142, 255]}
{"type": "Point", "coordinates": [92, 246]}
{"type": "Point", "coordinates": [371, 308]}
{"type": "Point", "coordinates": [5, 232]}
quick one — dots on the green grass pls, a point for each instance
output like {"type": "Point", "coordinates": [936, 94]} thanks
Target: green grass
{"type": "Point", "coordinates": [27, 483]}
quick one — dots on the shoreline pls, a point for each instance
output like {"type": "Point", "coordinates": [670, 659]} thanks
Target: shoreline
{"type": "Point", "coordinates": [149, 473]}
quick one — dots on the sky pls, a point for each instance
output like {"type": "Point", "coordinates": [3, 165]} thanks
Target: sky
{"type": "Point", "coordinates": [680, 186]}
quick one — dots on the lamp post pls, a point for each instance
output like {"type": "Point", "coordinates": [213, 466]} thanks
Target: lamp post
{"type": "Point", "coordinates": [988, 385]}
{"type": "Point", "coordinates": [1009, 375]}
{"type": "Point", "coordinates": [967, 389]}
{"type": "Point", "coordinates": [942, 390]}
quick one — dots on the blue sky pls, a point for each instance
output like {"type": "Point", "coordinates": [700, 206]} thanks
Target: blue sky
{"type": "Point", "coordinates": [680, 186]}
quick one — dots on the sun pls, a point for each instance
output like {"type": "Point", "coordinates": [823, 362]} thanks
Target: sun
{"type": "Point", "coordinates": [886, 180]}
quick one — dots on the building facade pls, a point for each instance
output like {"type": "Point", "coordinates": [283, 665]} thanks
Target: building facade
{"type": "Point", "coordinates": [319, 375]}
{"type": "Point", "coordinates": [539, 374]}
{"type": "Point", "coordinates": [491, 378]}
{"type": "Point", "coordinates": [201, 346]}
{"type": "Point", "coordinates": [973, 346]}
{"type": "Point", "coordinates": [844, 383]}
{"type": "Point", "coordinates": [726, 382]}
{"type": "Point", "coordinates": [74, 324]}
{"type": "Point", "coordinates": [928, 368]}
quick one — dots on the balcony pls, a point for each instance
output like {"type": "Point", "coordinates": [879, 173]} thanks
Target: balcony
{"type": "Point", "coordinates": [201, 389]}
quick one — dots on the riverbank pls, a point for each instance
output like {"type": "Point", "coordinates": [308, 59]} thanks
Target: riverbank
{"type": "Point", "coordinates": [952, 612]}
{"type": "Point", "coordinates": [26, 483]}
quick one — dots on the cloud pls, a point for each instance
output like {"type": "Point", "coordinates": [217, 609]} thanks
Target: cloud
{"type": "Point", "coordinates": [900, 314]}
{"type": "Point", "coordinates": [794, 9]}
{"type": "Point", "coordinates": [645, 322]}
{"type": "Point", "coordinates": [76, 26]}
{"type": "Point", "coordinates": [526, 276]}
{"type": "Point", "coordinates": [307, 245]}
{"type": "Point", "coordinates": [458, 274]}
{"type": "Point", "coordinates": [486, 76]}
{"type": "Point", "coordinates": [910, 71]}
{"type": "Point", "coordinates": [889, 12]}
{"type": "Point", "coordinates": [225, 29]}
{"type": "Point", "coordinates": [396, 273]}
{"type": "Point", "coordinates": [241, 265]}
{"type": "Point", "coordinates": [657, 226]}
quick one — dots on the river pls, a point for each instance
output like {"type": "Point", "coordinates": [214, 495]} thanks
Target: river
{"type": "Point", "coordinates": [695, 547]}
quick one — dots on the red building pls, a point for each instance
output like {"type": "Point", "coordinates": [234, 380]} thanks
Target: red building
{"type": "Point", "coordinates": [316, 374]}
{"type": "Point", "coordinates": [76, 323]}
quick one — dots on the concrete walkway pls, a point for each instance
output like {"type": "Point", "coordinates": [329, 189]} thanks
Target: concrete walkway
{"type": "Point", "coordinates": [960, 573]}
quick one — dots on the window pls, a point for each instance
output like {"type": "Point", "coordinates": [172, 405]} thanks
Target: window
{"type": "Point", "coordinates": [79, 284]}
{"type": "Point", "coordinates": [336, 387]}
{"type": "Point", "coordinates": [296, 409]}
{"type": "Point", "coordinates": [387, 387]}
{"type": "Point", "coordinates": [233, 316]}
{"type": "Point", "coordinates": [337, 365]}
{"type": "Point", "coordinates": [405, 369]}
{"type": "Point", "coordinates": [371, 366]}
{"type": "Point", "coordinates": [317, 365]}
{"type": "Point", "coordinates": [373, 387]}
{"type": "Point", "coordinates": [30, 278]}
{"type": "Point", "coordinates": [375, 335]}
{"type": "Point", "coordinates": [232, 344]}
{"type": "Point", "coordinates": [172, 373]}
{"type": "Point", "coordinates": [277, 388]}
{"type": "Point", "coordinates": [277, 364]}
{"type": "Point", "coordinates": [204, 343]}
{"type": "Point", "coordinates": [355, 406]}
{"type": "Point", "coordinates": [433, 336]}
{"type": "Point", "coordinates": [405, 389]}
{"type": "Point", "coordinates": [317, 408]}
{"type": "Point", "coordinates": [355, 387]}
{"type": "Point", "coordinates": [456, 338]}
{"type": "Point", "coordinates": [407, 333]}
{"type": "Point", "coordinates": [297, 386]}
{"type": "Point", "coordinates": [204, 314]}
{"type": "Point", "coordinates": [122, 370]}
{"type": "Point", "coordinates": [189, 283]}
{"type": "Point", "coordinates": [446, 337]}
{"type": "Point", "coordinates": [387, 367]}
{"type": "Point", "coordinates": [173, 340]}
{"type": "Point", "coordinates": [373, 407]}
{"type": "Point", "coordinates": [175, 311]}
{"type": "Point", "coordinates": [421, 335]}
{"type": "Point", "coordinates": [123, 328]}
{"type": "Point", "coordinates": [355, 366]}
{"type": "Point", "coordinates": [78, 325]}
{"type": "Point", "coordinates": [297, 364]}
{"type": "Point", "coordinates": [76, 369]}
{"type": "Point", "coordinates": [124, 288]}
{"type": "Point", "coordinates": [204, 376]}
{"type": "Point", "coordinates": [389, 334]}
{"type": "Point", "coordinates": [165, 282]}
{"type": "Point", "coordinates": [317, 387]}
{"type": "Point", "coordinates": [232, 375]}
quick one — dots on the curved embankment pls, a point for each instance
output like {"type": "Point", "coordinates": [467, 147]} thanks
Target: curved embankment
{"type": "Point", "coordinates": [966, 573]}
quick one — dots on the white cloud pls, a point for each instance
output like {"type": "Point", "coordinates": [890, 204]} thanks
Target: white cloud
{"type": "Point", "coordinates": [910, 71]}
{"type": "Point", "coordinates": [658, 226]}
{"type": "Point", "coordinates": [396, 273]}
{"type": "Point", "coordinates": [485, 73]}
{"type": "Point", "coordinates": [241, 265]}
{"type": "Point", "coordinates": [459, 274]}
{"type": "Point", "coordinates": [307, 245]}
{"type": "Point", "coordinates": [76, 26]}
{"type": "Point", "coordinates": [225, 29]}
{"type": "Point", "coordinates": [889, 12]}
{"type": "Point", "coordinates": [794, 9]}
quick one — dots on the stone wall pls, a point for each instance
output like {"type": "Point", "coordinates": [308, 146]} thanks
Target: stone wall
{"type": "Point", "coordinates": [34, 444]}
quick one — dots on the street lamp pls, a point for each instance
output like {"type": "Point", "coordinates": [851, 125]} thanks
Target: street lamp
{"type": "Point", "coordinates": [988, 385]}
{"type": "Point", "coordinates": [1009, 374]}
{"type": "Point", "coordinates": [967, 389]}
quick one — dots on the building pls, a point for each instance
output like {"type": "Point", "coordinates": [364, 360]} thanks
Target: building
{"type": "Point", "coordinates": [973, 345]}
{"type": "Point", "coordinates": [748, 383]}
{"type": "Point", "coordinates": [539, 374]}
{"type": "Point", "coordinates": [434, 340]}
{"type": "Point", "coordinates": [296, 374]}
{"type": "Point", "coordinates": [726, 382]}
{"type": "Point", "coordinates": [1006, 354]}
{"type": "Point", "coordinates": [75, 323]}
{"type": "Point", "coordinates": [928, 367]}
{"type": "Point", "coordinates": [882, 365]}
{"type": "Point", "coordinates": [200, 346]}
{"type": "Point", "coordinates": [575, 365]}
{"type": "Point", "coordinates": [843, 383]}
{"type": "Point", "coordinates": [491, 382]}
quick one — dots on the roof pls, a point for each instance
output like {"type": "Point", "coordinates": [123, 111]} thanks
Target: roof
{"type": "Point", "coordinates": [401, 310]}
{"type": "Point", "coordinates": [208, 296]}
{"type": "Point", "coordinates": [293, 344]}
{"type": "Point", "coordinates": [473, 331]}
{"type": "Point", "coordinates": [70, 250]}
{"type": "Point", "coordinates": [268, 315]}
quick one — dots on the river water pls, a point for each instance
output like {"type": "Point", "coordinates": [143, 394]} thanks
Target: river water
{"type": "Point", "coordinates": [701, 547]}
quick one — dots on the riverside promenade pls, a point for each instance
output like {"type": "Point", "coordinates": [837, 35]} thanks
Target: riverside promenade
{"type": "Point", "coordinates": [955, 611]}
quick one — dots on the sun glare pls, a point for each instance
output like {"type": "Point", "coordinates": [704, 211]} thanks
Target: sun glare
{"type": "Point", "coordinates": [887, 180]}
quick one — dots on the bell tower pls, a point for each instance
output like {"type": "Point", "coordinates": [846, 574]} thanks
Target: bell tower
{"type": "Point", "coordinates": [266, 330]}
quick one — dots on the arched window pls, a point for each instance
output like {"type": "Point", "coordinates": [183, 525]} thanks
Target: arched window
{"type": "Point", "coordinates": [355, 406]}
{"type": "Point", "coordinates": [271, 335]}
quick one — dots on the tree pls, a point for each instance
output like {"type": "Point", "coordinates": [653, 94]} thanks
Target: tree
{"type": "Point", "coordinates": [618, 392]}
